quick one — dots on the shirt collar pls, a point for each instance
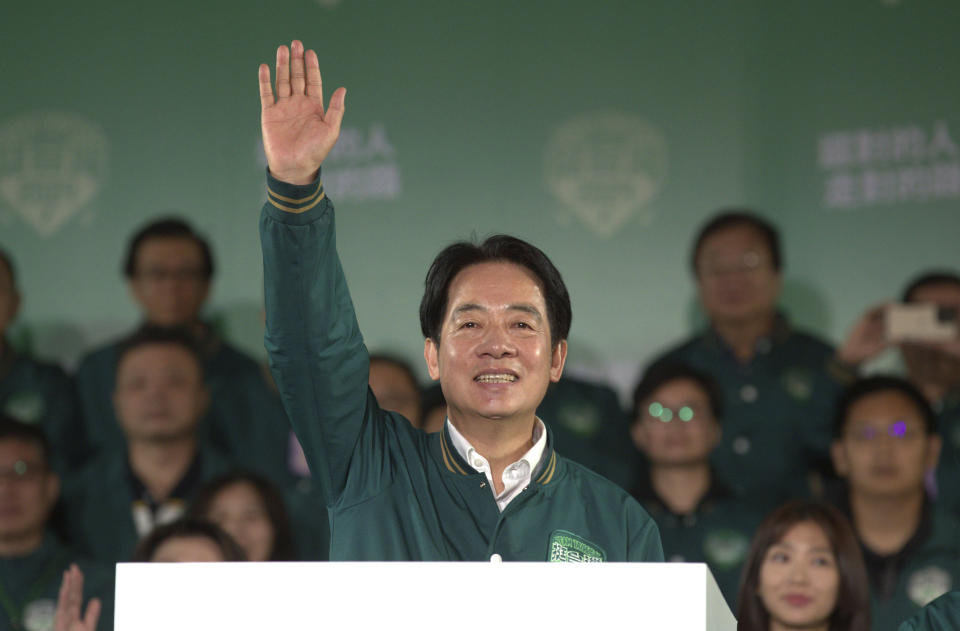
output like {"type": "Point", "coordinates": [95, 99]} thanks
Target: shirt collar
{"type": "Point", "coordinates": [473, 458]}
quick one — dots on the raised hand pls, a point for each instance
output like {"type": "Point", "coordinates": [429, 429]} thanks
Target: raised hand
{"type": "Point", "coordinates": [70, 605]}
{"type": "Point", "coordinates": [297, 133]}
{"type": "Point", "coordinates": [866, 339]}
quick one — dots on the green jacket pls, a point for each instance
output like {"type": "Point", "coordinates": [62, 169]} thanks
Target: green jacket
{"type": "Point", "coordinates": [778, 410]}
{"type": "Point", "coordinates": [394, 492]}
{"type": "Point", "coordinates": [245, 420]}
{"type": "Point", "coordinates": [948, 468]}
{"type": "Point", "coordinates": [99, 501]}
{"type": "Point", "coordinates": [29, 587]}
{"type": "Point", "coordinates": [943, 614]}
{"type": "Point", "coordinates": [590, 428]}
{"type": "Point", "coordinates": [38, 393]}
{"type": "Point", "coordinates": [717, 532]}
{"type": "Point", "coordinates": [932, 570]}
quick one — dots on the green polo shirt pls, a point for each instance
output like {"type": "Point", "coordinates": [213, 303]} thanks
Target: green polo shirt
{"type": "Point", "coordinates": [778, 409]}
{"type": "Point", "coordinates": [245, 420]}
{"type": "Point", "coordinates": [100, 500]}
{"type": "Point", "coordinates": [590, 428]}
{"type": "Point", "coordinates": [42, 394]}
{"type": "Point", "coordinates": [29, 587]}
{"type": "Point", "coordinates": [943, 614]}
{"type": "Point", "coordinates": [717, 532]}
{"type": "Point", "coordinates": [392, 491]}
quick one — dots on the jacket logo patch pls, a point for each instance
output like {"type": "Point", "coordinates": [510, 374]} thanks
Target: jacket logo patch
{"type": "Point", "coordinates": [566, 547]}
{"type": "Point", "coordinates": [928, 584]}
{"type": "Point", "coordinates": [726, 549]}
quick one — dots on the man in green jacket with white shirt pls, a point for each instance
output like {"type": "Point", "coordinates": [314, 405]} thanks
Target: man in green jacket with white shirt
{"type": "Point", "coordinates": [495, 317]}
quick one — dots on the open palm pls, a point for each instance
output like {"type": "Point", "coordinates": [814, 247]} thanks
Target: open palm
{"type": "Point", "coordinates": [297, 132]}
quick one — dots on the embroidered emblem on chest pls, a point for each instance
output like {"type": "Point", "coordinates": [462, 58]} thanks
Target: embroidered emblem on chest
{"type": "Point", "coordinates": [566, 547]}
{"type": "Point", "coordinates": [928, 584]}
{"type": "Point", "coordinates": [38, 615]}
{"type": "Point", "coordinates": [726, 549]}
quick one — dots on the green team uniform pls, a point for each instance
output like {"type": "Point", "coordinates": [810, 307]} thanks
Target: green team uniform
{"type": "Point", "coordinates": [948, 468]}
{"type": "Point", "coordinates": [100, 502]}
{"type": "Point", "coordinates": [778, 409]}
{"type": "Point", "coordinates": [42, 394]}
{"type": "Point", "coordinates": [717, 532]}
{"type": "Point", "coordinates": [394, 492]}
{"type": "Point", "coordinates": [245, 420]}
{"type": "Point", "coordinates": [927, 567]}
{"type": "Point", "coordinates": [943, 614]}
{"type": "Point", "coordinates": [29, 587]}
{"type": "Point", "coordinates": [590, 428]}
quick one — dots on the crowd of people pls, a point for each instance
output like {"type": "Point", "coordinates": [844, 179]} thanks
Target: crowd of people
{"type": "Point", "coordinates": [820, 494]}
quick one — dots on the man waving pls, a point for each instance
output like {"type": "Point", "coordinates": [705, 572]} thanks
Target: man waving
{"type": "Point", "coordinates": [495, 318]}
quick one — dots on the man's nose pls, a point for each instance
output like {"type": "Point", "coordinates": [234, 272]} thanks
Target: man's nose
{"type": "Point", "coordinates": [497, 342]}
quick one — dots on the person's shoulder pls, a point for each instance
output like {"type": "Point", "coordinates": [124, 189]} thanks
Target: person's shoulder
{"type": "Point", "coordinates": [810, 342]}
{"type": "Point", "coordinates": [943, 614]}
{"type": "Point", "coordinates": [229, 356]}
{"type": "Point", "coordinates": [576, 475]}
{"type": "Point", "coordinates": [99, 356]}
{"type": "Point", "coordinates": [682, 351]}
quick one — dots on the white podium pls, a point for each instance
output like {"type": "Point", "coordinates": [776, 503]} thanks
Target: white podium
{"type": "Point", "coordinates": [423, 596]}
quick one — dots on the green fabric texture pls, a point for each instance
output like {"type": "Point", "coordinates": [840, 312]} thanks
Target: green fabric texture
{"type": "Point", "coordinates": [99, 501]}
{"type": "Point", "coordinates": [30, 585]}
{"type": "Point", "coordinates": [394, 492]}
{"type": "Point", "coordinates": [948, 469]}
{"type": "Point", "coordinates": [42, 394]}
{"type": "Point", "coordinates": [245, 420]}
{"type": "Point", "coordinates": [717, 533]}
{"type": "Point", "coordinates": [929, 573]}
{"type": "Point", "coordinates": [590, 428]}
{"type": "Point", "coordinates": [778, 410]}
{"type": "Point", "coordinates": [943, 614]}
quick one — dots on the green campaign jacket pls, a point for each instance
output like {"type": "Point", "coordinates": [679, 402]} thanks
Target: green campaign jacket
{"type": "Point", "coordinates": [589, 427]}
{"type": "Point", "coordinates": [392, 491]}
{"type": "Point", "coordinates": [29, 586]}
{"type": "Point", "coordinates": [778, 410]}
{"type": "Point", "coordinates": [42, 394]}
{"type": "Point", "coordinates": [943, 614]}
{"type": "Point", "coordinates": [927, 574]}
{"type": "Point", "coordinates": [245, 420]}
{"type": "Point", "coordinates": [99, 500]}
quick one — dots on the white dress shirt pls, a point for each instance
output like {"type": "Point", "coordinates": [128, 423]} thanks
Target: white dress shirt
{"type": "Point", "coordinates": [517, 476]}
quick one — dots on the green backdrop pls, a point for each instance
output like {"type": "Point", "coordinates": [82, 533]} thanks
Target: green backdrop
{"type": "Point", "coordinates": [604, 132]}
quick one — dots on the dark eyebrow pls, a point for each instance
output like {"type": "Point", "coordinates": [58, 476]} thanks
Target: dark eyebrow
{"type": "Point", "coordinates": [469, 306]}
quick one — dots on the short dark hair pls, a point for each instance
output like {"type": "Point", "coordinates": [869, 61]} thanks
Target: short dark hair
{"type": "Point", "coordinates": [282, 548]}
{"type": "Point", "coordinates": [661, 374]}
{"type": "Point", "coordinates": [150, 334]}
{"type": "Point", "coordinates": [498, 248]}
{"type": "Point", "coordinates": [738, 218]}
{"type": "Point", "coordinates": [183, 528]}
{"type": "Point", "coordinates": [882, 383]}
{"type": "Point", "coordinates": [852, 609]}
{"type": "Point", "coordinates": [12, 429]}
{"type": "Point", "coordinates": [166, 228]}
{"type": "Point", "coordinates": [928, 278]}
{"type": "Point", "coordinates": [7, 261]}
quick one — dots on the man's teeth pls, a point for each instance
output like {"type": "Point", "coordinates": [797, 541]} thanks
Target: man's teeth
{"type": "Point", "coordinates": [496, 378]}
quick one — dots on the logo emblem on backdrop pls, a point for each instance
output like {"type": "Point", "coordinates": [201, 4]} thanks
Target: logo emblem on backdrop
{"type": "Point", "coordinates": [52, 164]}
{"type": "Point", "coordinates": [606, 168]}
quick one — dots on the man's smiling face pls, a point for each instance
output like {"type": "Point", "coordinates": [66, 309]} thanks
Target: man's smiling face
{"type": "Point", "coordinates": [494, 358]}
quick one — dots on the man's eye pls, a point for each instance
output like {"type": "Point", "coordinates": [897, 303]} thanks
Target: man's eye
{"type": "Point", "coordinates": [468, 325]}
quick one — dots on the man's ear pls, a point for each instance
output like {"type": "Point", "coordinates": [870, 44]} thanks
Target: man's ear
{"type": "Point", "coordinates": [557, 360]}
{"type": "Point", "coordinates": [839, 457]}
{"type": "Point", "coordinates": [430, 350]}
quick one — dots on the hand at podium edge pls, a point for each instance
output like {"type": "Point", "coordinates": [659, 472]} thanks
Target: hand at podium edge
{"type": "Point", "coordinates": [70, 604]}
